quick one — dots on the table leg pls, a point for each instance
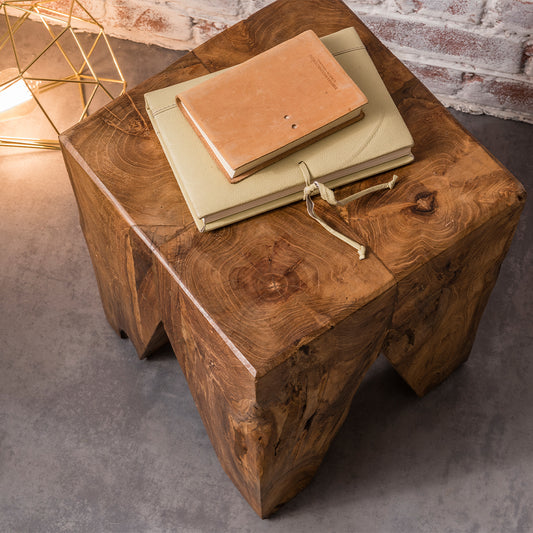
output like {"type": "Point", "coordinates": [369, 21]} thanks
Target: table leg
{"type": "Point", "coordinates": [271, 432]}
{"type": "Point", "coordinates": [439, 306]}
{"type": "Point", "coordinates": [122, 263]}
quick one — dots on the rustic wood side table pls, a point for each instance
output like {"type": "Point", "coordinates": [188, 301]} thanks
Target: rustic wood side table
{"type": "Point", "coordinates": [273, 320]}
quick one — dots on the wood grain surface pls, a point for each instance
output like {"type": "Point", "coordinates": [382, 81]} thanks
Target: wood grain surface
{"type": "Point", "coordinates": [273, 320]}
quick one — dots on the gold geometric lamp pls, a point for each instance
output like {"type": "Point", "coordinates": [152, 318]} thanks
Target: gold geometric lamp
{"type": "Point", "coordinates": [52, 58]}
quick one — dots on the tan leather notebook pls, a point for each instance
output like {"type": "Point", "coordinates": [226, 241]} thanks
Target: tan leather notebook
{"type": "Point", "coordinates": [271, 105]}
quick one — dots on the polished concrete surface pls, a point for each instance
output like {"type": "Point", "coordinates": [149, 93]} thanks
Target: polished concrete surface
{"type": "Point", "coordinates": [94, 440]}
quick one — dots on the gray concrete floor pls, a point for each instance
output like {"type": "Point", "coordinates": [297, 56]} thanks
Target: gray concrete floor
{"type": "Point", "coordinates": [94, 440]}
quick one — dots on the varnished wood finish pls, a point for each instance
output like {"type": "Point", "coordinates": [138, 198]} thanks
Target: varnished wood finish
{"type": "Point", "coordinates": [271, 432]}
{"type": "Point", "coordinates": [440, 305]}
{"type": "Point", "coordinates": [273, 399]}
{"type": "Point", "coordinates": [273, 320]}
{"type": "Point", "coordinates": [123, 265]}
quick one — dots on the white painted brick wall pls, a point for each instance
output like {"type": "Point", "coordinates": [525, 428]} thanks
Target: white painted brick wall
{"type": "Point", "coordinates": [476, 55]}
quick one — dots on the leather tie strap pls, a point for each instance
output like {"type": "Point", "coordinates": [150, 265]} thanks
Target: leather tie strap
{"type": "Point", "coordinates": [329, 196]}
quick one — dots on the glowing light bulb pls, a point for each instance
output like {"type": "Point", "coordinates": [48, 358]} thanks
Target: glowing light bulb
{"type": "Point", "coordinates": [16, 99]}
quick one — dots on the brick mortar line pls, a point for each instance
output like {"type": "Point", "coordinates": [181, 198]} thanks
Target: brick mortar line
{"type": "Point", "coordinates": [186, 12]}
{"type": "Point", "coordinates": [434, 60]}
{"type": "Point", "coordinates": [487, 8]}
{"type": "Point", "coordinates": [467, 106]}
{"type": "Point", "coordinates": [498, 29]}
{"type": "Point", "coordinates": [151, 38]}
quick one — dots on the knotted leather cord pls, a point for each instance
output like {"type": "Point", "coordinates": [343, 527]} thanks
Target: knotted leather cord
{"type": "Point", "coordinates": [329, 196]}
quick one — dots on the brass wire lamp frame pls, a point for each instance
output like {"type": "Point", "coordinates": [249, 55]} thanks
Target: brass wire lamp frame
{"type": "Point", "coordinates": [45, 12]}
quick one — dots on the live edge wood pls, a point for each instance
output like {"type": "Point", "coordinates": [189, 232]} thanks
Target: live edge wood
{"type": "Point", "coordinates": [275, 322]}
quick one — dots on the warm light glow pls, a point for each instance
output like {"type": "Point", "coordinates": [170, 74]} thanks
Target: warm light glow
{"type": "Point", "coordinates": [71, 60]}
{"type": "Point", "coordinates": [14, 95]}
{"type": "Point", "coordinates": [16, 99]}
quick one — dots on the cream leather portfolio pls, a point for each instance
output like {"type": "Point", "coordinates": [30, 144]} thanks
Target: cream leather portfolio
{"type": "Point", "coordinates": [375, 144]}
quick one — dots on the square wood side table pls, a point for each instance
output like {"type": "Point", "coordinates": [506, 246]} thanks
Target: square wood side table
{"type": "Point", "coordinates": [273, 320]}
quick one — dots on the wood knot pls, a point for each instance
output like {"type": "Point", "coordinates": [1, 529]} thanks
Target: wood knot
{"type": "Point", "coordinates": [273, 286]}
{"type": "Point", "coordinates": [425, 203]}
{"type": "Point", "coordinates": [132, 122]}
{"type": "Point", "coordinates": [138, 128]}
{"type": "Point", "coordinates": [134, 126]}
{"type": "Point", "coordinates": [266, 281]}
